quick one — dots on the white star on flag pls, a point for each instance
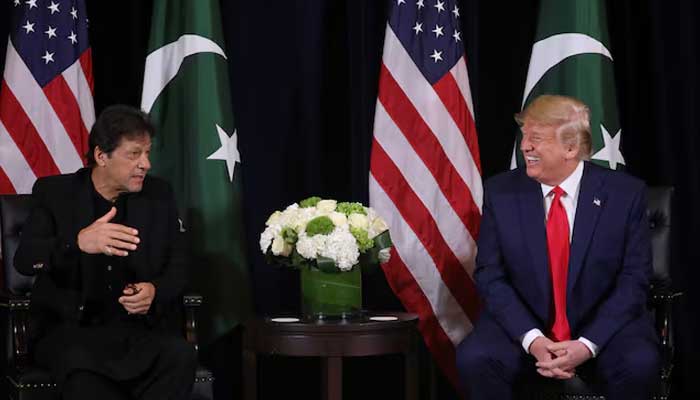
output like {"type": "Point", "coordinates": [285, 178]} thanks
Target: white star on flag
{"type": "Point", "coordinates": [29, 27]}
{"type": "Point", "coordinates": [228, 150]}
{"type": "Point", "coordinates": [456, 11]}
{"type": "Point", "coordinates": [53, 7]}
{"type": "Point", "coordinates": [31, 3]}
{"type": "Point", "coordinates": [418, 28]}
{"type": "Point", "coordinates": [73, 37]}
{"type": "Point", "coordinates": [437, 55]}
{"type": "Point", "coordinates": [74, 13]}
{"type": "Point", "coordinates": [48, 57]}
{"type": "Point", "coordinates": [438, 31]}
{"type": "Point", "coordinates": [611, 151]}
{"type": "Point", "coordinates": [440, 5]}
{"type": "Point", "coordinates": [16, 3]}
{"type": "Point", "coordinates": [51, 32]}
{"type": "Point", "coordinates": [457, 36]}
{"type": "Point", "coordinates": [420, 4]}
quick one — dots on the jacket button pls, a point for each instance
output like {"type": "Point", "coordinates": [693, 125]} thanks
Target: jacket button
{"type": "Point", "coordinates": [38, 266]}
{"type": "Point", "coordinates": [109, 268]}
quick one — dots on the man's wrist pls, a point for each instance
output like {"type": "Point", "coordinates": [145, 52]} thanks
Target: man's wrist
{"type": "Point", "coordinates": [530, 337]}
{"type": "Point", "coordinates": [592, 347]}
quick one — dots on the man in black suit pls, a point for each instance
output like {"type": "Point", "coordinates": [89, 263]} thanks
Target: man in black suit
{"type": "Point", "coordinates": [105, 247]}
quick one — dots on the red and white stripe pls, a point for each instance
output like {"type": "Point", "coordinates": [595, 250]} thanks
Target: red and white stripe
{"type": "Point", "coordinates": [425, 180]}
{"type": "Point", "coordinates": [43, 131]}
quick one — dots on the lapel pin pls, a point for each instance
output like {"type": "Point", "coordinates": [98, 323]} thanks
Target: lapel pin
{"type": "Point", "coordinates": [596, 201]}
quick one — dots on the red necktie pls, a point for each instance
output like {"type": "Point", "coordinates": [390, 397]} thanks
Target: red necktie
{"type": "Point", "coordinates": [558, 249]}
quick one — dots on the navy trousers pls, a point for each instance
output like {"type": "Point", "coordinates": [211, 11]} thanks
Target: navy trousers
{"type": "Point", "coordinates": [490, 363]}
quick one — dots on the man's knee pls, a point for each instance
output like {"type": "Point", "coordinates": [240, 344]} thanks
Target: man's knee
{"type": "Point", "coordinates": [178, 353]}
{"type": "Point", "coordinates": [640, 366]}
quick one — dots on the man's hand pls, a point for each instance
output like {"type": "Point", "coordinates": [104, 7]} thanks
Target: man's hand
{"type": "Point", "coordinates": [570, 354]}
{"type": "Point", "coordinates": [541, 350]}
{"type": "Point", "coordinates": [107, 238]}
{"type": "Point", "coordinates": [138, 297]}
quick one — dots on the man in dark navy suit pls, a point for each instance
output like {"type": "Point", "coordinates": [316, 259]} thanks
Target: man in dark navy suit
{"type": "Point", "coordinates": [563, 266]}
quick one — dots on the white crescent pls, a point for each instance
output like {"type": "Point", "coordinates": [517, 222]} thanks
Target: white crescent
{"type": "Point", "coordinates": [163, 64]}
{"type": "Point", "coordinates": [552, 50]}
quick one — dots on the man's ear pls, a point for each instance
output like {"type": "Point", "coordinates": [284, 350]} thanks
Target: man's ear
{"type": "Point", "coordinates": [100, 156]}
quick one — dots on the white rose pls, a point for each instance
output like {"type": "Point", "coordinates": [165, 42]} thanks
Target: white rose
{"type": "Point", "coordinates": [326, 206]}
{"type": "Point", "coordinates": [358, 221]}
{"type": "Point", "coordinates": [339, 219]}
{"type": "Point", "coordinates": [274, 218]}
{"type": "Point", "coordinates": [378, 226]}
{"type": "Point", "coordinates": [280, 247]}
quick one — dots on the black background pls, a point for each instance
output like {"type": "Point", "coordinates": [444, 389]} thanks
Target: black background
{"type": "Point", "coordinates": [304, 81]}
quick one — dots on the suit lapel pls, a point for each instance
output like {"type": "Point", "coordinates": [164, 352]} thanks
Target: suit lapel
{"type": "Point", "coordinates": [533, 226]}
{"type": "Point", "coordinates": [84, 211]}
{"type": "Point", "coordinates": [591, 200]}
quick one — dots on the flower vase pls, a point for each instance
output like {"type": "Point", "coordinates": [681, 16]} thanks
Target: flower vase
{"type": "Point", "coordinates": [331, 294]}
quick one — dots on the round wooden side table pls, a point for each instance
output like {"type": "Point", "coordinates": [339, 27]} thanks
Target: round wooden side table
{"type": "Point", "coordinates": [372, 334]}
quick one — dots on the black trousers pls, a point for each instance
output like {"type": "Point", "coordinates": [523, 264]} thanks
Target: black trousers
{"type": "Point", "coordinates": [170, 377]}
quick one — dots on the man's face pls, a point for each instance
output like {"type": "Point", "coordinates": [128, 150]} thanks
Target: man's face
{"type": "Point", "coordinates": [547, 160]}
{"type": "Point", "coordinates": [126, 167]}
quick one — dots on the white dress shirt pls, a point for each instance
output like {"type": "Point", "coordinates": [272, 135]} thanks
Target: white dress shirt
{"type": "Point", "coordinates": [571, 186]}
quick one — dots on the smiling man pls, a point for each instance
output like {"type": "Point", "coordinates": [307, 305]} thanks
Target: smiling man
{"type": "Point", "coordinates": [106, 251]}
{"type": "Point", "coordinates": [563, 266]}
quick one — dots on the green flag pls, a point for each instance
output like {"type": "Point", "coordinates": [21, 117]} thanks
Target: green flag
{"type": "Point", "coordinates": [186, 92]}
{"type": "Point", "coordinates": [571, 56]}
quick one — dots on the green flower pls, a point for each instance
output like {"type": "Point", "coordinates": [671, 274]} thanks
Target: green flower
{"type": "Point", "coordinates": [310, 202]}
{"type": "Point", "coordinates": [364, 242]}
{"type": "Point", "coordinates": [348, 208]}
{"type": "Point", "coordinates": [319, 226]}
{"type": "Point", "coordinates": [289, 235]}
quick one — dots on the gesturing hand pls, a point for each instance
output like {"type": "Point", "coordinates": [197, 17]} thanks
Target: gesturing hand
{"type": "Point", "coordinates": [542, 351]}
{"type": "Point", "coordinates": [104, 237]}
{"type": "Point", "coordinates": [570, 354]}
{"type": "Point", "coordinates": [138, 297]}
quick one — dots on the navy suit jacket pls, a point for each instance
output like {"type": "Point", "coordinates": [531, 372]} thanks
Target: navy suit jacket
{"type": "Point", "coordinates": [609, 262]}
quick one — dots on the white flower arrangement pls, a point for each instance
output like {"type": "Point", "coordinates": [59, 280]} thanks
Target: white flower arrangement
{"type": "Point", "coordinates": [327, 235]}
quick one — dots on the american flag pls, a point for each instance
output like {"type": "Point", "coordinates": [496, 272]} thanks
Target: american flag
{"type": "Point", "coordinates": [46, 106]}
{"type": "Point", "coordinates": [425, 174]}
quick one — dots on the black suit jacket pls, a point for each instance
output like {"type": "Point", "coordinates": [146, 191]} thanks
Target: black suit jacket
{"type": "Point", "coordinates": [48, 248]}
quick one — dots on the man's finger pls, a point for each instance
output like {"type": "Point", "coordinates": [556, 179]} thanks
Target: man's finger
{"type": "Point", "coordinates": [545, 372]}
{"type": "Point", "coordinates": [108, 217]}
{"type": "Point", "coordinates": [561, 374]}
{"type": "Point", "coordinates": [554, 347]}
{"type": "Point", "coordinates": [121, 228]}
{"type": "Point", "coordinates": [555, 363]}
{"type": "Point", "coordinates": [120, 244]}
{"type": "Point", "coordinates": [126, 237]}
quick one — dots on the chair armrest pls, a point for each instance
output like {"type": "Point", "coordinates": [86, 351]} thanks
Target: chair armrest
{"type": "Point", "coordinates": [17, 314]}
{"type": "Point", "coordinates": [191, 302]}
{"type": "Point", "coordinates": [663, 300]}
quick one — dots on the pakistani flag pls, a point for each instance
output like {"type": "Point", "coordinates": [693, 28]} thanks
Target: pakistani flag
{"type": "Point", "coordinates": [186, 92]}
{"type": "Point", "coordinates": [571, 56]}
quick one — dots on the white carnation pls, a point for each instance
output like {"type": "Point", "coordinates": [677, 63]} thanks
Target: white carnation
{"type": "Point", "coordinates": [268, 234]}
{"type": "Point", "coordinates": [384, 255]}
{"type": "Point", "coordinates": [341, 247]}
{"type": "Point", "coordinates": [280, 247]}
{"type": "Point", "coordinates": [326, 206]}
{"type": "Point", "coordinates": [274, 218]}
{"type": "Point", "coordinates": [377, 226]}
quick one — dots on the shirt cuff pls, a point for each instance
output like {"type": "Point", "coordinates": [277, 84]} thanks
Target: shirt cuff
{"type": "Point", "coordinates": [591, 346]}
{"type": "Point", "coordinates": [530, 337]}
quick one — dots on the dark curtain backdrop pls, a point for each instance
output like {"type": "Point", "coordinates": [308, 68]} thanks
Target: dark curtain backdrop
{"type": "Point", "coordinates": [304, 81]}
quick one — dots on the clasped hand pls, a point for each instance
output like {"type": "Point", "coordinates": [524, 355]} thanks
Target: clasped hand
{"type": "Point", "coordinates": [558, 360]}
{"type": "Point", "coordinates": [138, 297]}
{"type": "Point", "coordinates": [104, 237]}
